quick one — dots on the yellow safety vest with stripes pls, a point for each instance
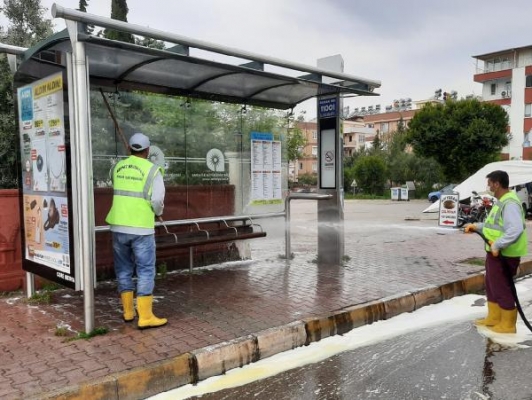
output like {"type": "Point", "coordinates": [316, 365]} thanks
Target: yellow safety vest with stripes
{"type": "Point", "coordinates": [493, 226]}
{"type": "Point", "coordinates": [132, 184]}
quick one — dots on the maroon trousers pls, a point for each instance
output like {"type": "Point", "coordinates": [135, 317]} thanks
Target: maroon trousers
{"type": "Point", "coordinates": [498, 289]}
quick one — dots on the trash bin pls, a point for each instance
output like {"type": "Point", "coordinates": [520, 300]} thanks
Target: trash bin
{"type": "Point", "coordinates": [411, 189]}
{"type": "Point", "coordinates": [404, 194]}
{"type": "Point", "coordinates": [396, 193]}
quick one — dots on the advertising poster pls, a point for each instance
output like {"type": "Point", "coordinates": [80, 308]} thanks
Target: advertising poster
{"type": "Point", "coordinates": [265, 169]}
{"type": "Point", "coordinates": [328, 159]}
{"type": "Point", "coordinates": [44, 178]}
{"type": "Point", "coordinates": [449, 210]}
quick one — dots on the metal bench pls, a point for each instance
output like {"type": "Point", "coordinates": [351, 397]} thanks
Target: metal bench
{"type": "Point", "coordinates": [204, 231]}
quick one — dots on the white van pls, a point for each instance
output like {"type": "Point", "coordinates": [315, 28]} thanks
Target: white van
{"type": "Point", "coordinates": [524, 192]}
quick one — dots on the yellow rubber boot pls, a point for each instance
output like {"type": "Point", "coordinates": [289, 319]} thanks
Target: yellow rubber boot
{"type": "Point", "coordinates": [508, 321]}
{"type": "Point", "coordinates": [146, 317]}
{"type": "Point", "coordinates": [127, 305]}
{"type": "Point", "coordinates": [494, 315]}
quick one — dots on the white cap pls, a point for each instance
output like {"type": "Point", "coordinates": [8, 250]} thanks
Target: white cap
{"type": "Point", "coordinates": [139, 142]}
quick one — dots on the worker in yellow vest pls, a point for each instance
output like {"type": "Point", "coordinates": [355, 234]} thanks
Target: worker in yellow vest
{"type": "Point", "coordinates": [505, 229]}
{"type": "Point", "coordinates": [138, 198]}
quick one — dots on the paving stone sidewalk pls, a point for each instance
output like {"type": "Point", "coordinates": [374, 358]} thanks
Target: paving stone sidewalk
{"type": "Point", "coordinates": [391, 249]}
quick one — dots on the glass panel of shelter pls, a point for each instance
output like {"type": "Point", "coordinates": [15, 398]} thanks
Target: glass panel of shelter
{"type": "Point", "coordinates": [199, 144]}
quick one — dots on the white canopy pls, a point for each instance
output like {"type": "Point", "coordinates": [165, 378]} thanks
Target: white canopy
{"type": "Point", "coordinates": [519, 171]}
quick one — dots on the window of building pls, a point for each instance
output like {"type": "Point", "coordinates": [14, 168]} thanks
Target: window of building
{"type": "Point", "coordinates": [350, 138]}
{"type": "Point", "coordinates": [315, 135]}
{"type": "Point", "coordinates": [509, 87]}
{"type": "Point", "coordinates": [314, 150]}
{"type": "Point", "coordinates": [314, 166]}
{"type": "Point", "coordinates": [528, 81]}
{"type": "Point", "coordinates": [300, 165]}
{"type": "Point", "coordinates": [493, 88]}
{"type": "Point", "coordinates": [361, 138]}
{"type": "Point", "coordinates": [384, 127]}
{"type": "Point", "coordinates": [528, 110]}
{"type": "Point", "coordinates": [505, 63]}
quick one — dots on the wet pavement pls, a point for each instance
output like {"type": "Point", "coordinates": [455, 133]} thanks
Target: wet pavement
{"type": "Point", "coordinates": [391, 248]}
{"type": "Point", "coordinates": [450, 361]}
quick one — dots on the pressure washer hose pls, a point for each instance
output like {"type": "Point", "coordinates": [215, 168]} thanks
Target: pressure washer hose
{"type": "Point", "coordinates": [511, 282]}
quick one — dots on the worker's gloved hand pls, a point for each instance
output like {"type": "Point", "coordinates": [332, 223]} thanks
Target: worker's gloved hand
{"type": "Point", "coordinates": [494, 250]}
{"type": "Point", "coordinates": [470, 228]}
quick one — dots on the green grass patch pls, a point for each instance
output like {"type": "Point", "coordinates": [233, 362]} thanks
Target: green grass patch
{"type": "Point", "coordinates": [61, 331]}
{"type": "Point", "coordinates": [475, 261]}
{"type": "Point", "coordinates": [162, 270]}
{"type": "Point", "coordinates": [40, 297]}
{"type": "Point", "coordinates": [345, 260]}
{"type": "Point", "coordinates": [84, 335]}
{"type": "Point", "coordinates": [283, 256]}
{"type": "Point", "coordinates": [51, 286]}
{"type": "Point", "coordinates": [44, 296]}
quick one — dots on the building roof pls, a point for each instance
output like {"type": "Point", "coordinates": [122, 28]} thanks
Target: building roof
{"type": "Point", "coordinates": [487, 56]}
{"type": "Point", "coordinates": [126, 66]}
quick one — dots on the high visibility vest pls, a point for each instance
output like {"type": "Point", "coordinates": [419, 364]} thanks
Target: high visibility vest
{"type": "Point", "coordinates": [493, 226]}
{"type": "Point", "coordinates": [132, 184]}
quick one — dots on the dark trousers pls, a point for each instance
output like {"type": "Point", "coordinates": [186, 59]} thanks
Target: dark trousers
{"type": "Point", "coordinates": [498, 289]}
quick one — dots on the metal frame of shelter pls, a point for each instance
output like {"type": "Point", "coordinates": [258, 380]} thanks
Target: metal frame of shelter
{"type": "Point", "coordinates": [91, 60]}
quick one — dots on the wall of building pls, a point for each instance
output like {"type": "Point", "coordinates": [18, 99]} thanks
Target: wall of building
{"type": "Point", "coordinates": [524, 58]}
{"type": "Point", "coordinates": [308, 164]}
{"type": "Point", "coordinates": [517, 113]}
{"type": "Point", "coordinates": [508, 70]}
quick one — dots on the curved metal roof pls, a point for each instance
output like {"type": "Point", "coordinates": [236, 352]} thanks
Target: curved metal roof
{"type": "Point", "coordinates": [125, 66]}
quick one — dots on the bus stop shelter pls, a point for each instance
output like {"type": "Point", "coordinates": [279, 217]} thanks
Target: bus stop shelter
{"type": "Point", "coordinates": [53, 81]}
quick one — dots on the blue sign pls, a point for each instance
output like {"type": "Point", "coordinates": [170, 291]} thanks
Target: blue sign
{"type": "Point", "coordinates": [266, 136]}
{"type": "Point", "coordinates": [26, 104]}
{"type": "Point", "coordinates": [328, 108]}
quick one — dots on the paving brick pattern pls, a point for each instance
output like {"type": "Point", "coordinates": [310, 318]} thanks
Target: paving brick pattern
{"type": "Point", "coordinates": [391, 247]}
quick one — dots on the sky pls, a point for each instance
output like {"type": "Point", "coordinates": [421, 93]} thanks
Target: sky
{"type": "Point", "coordinates": [456, 310]}
{"type": "Point", "coordinates": [413, 47]}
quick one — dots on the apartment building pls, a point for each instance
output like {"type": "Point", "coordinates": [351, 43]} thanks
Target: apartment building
{"type": "Point", "coordinates": [358, 132]}
{"type": "Point", "coordinates": [506, 78]}
{"type": "Point", "coordinates": [386, 124]}
{"type": "Point", "coordinates": [355, 134]}
{"type": "Point", "coordinates": [308, 164]}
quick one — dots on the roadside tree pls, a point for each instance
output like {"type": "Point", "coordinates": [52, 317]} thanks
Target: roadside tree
{"type": "Point", "coordinates": [462, 136]}
{"type": "Point", "coordinates": [370, 174]}
{"type": "Point", "coordinates": [295, 142]}
{"type": "Point", "coordinates": [119, 11]}
{"type": "Point", "coordinates": [27, 25]}
{"type": "Point", "coordinates": [403, 165]}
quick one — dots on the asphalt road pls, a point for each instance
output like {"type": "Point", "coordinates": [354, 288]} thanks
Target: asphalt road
{"type": "Point", "coordinates": [451, 360]}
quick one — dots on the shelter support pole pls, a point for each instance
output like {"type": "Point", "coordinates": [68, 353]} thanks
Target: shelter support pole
{"type": "Point", "coordinates": [289, 198]}
{"type": "Point", "coordinates": [82, 184]}
{"type": "Point", "coordinates": [331, 244]}
{"type": "Point", "coordinates": [30, 284]}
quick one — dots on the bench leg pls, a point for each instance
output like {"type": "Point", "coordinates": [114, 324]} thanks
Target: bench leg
{"type": "Point", "coordinates": [190, 258]}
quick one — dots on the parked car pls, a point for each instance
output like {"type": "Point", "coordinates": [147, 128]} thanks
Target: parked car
{"type": "Point", "coordinates": [433, 196]}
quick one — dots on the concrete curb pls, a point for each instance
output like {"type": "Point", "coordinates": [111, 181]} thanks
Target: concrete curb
{"type": "Point", "coordinates": [201, 364]}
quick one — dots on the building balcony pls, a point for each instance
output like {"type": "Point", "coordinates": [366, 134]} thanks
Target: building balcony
{"type": "Point", "coordinates": [485, 75]}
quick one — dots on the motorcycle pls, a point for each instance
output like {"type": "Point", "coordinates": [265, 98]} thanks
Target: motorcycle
{"type": "Point", "coordinates": [476, 211]}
